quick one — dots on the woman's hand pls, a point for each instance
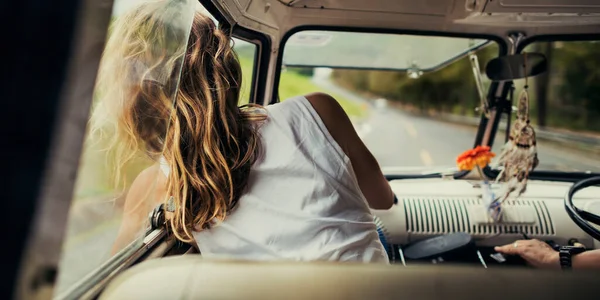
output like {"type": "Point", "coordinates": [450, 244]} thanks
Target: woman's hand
{"type": "Point", "coordinates": [535, 252]}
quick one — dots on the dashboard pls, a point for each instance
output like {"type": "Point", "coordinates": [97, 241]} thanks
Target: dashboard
{"type": "Point", "coordinates": [429, 208]}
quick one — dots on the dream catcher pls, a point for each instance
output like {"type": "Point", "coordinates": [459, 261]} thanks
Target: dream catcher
{"type": "Point", "coordinates": [519, 154]}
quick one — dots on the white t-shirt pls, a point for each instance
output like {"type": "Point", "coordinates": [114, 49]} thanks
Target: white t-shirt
{"type": "Point", "coordinates": [302, 202]}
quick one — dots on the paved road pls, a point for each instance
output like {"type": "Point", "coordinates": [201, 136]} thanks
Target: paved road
{"type": "Point", "coordinates": [399, 139]}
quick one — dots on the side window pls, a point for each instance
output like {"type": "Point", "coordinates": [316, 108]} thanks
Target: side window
{"type": "Point", "coordinates": [100, 226]}
{"type": "Point", "coordinates": [246, 52]}
{"type": "Point", "coordinates": [247, 55]}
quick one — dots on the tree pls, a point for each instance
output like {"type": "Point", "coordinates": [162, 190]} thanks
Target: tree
{"type": "Point", "coordinates": [542, 84]}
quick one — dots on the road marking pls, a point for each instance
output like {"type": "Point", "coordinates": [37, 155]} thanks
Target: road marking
{"type": "Point", "coordinates": [365, 129]}
{"type": "Point", "coordinates": [410, 129]}
{"type": "Point", "coordinates": [426, 158]}
{"type": "Point", "coordinates": [362, 128]}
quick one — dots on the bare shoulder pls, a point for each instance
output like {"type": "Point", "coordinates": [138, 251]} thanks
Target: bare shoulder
{"type": "Point", "coordinates": [147, 176]}
{"type": "Point", "coordinates": [372, 183]}
{"type": "Point", "coordinates": [319, 96]}
{"type": "Point", "coordinates": [325, 103]}
{"type": "Point", "coordinates": [335, 119]}
{"type": "Point", "coordinates": [330, 111]}
{"type": "Point", "coordinates": [149, 182]}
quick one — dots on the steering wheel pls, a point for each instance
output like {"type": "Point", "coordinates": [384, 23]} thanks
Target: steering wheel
{"type": "Point", "coordinates": [580, 217]}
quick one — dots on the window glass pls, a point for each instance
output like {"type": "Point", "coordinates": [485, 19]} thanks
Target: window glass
{"type": "Point", "coordinates": [418, 119]}
{"type": "Point", "coordinates": [564, 106]}
{"type": "Point", "coordinates": [246, 53]}
{"type": "Point", "coordinates": [108, 166]}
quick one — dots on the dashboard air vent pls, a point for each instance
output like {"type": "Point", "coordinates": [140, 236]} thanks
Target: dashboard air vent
{"type": "Point", "coordinates": [446, 215]}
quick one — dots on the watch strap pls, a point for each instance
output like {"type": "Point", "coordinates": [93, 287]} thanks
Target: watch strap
{"type": "Point", "coordinates": [566, 254]}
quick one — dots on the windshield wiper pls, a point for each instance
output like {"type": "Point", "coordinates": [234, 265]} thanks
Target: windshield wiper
{"type": "Point", "coordinates": [453, 173]}
{"type": "Point", "coordinates": [484, 106]}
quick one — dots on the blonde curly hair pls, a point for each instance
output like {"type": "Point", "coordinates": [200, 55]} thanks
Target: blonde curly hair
{"type": "Point", "coordinates": [208, 141]}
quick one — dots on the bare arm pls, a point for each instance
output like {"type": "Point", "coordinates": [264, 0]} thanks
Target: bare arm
{"type": "Point", "coordinates": [587, 260]}
{"type": "Point", "coordinates": [541, 255]}
{"type": "Point", "coordinates": [146, 191]}
{"type": "Point", "coordinates": [371, 181]}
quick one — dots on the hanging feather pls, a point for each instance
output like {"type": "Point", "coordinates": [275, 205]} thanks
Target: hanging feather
{"type": "Point", "coordinates": [519, 154]}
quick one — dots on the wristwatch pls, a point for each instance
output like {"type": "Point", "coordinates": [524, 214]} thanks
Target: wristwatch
{"type": "Point", "coordinates": [565, 253]}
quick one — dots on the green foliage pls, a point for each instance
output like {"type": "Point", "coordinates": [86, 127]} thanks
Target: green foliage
{"type": "Point", "coordinates": [357, 79]}
{"type": "Point", "coordinates": [573, 91]}
{"type": "Point", "coordinates": [581, 67]}
{"type": "Point", "coordinates": [308, 72]}
{"type": "Point", "coordinates": [293, 84]}
{"type": "Point", "coordinates": [247, 64]}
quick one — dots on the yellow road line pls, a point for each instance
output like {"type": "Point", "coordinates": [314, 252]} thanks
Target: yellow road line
{"type": "Point", "coordinates": [426, 158]}
{"type": "Point", "coordinates": [410, 129]}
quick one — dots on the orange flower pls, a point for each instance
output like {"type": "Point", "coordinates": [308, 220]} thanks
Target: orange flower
{"type": "Point", "coordinates": [480, 156]}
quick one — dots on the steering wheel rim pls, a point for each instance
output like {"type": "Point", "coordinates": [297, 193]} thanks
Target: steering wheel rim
{"type": "Point", "coordinates": [580, 217]}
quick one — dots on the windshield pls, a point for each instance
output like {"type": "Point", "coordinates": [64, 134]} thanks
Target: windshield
{"type": "Point", "coordinates": [564, 107]}
{"type": "Point", "coordinates": [413, 121]}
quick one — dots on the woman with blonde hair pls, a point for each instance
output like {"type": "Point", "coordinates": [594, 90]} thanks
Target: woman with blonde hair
{"type": "Point", "coordinates": [288, 181]}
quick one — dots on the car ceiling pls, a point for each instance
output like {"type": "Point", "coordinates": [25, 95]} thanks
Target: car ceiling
{"type": "Point", "coordinates": [486, 17]}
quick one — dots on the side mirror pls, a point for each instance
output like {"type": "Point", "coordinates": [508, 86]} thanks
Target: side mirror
{"type": "Point", "coordinates": [516, 66]}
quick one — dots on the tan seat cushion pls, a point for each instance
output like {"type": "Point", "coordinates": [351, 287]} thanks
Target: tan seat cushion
{"type": "Point", "coordinates": [192, 277]}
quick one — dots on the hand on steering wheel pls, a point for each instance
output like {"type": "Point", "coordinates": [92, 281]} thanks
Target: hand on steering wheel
{"type": "Point", "coordinates": [537, 253]}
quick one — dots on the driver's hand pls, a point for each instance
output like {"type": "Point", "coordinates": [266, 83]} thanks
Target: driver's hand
{"type": "Point", "coordinates": [535, 252]}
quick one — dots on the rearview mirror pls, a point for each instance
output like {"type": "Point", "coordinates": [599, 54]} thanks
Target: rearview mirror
{"type": "Point", "coordinates": [516, 66]}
